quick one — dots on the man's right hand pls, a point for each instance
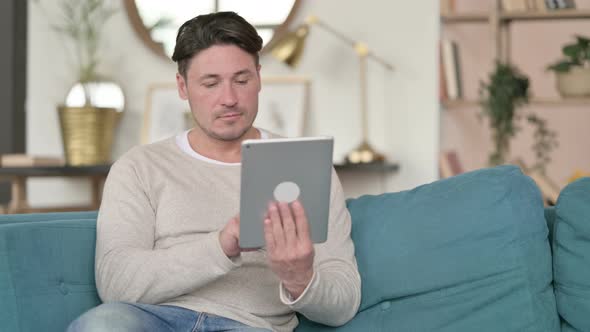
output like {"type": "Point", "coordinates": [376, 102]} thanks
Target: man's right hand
{"type": "Point", "coordinates": [229, 238]}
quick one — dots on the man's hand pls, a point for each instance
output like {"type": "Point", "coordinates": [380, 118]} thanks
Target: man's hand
{"type": "Point", "coordinates": [289, 247]}
{"type": "Point", "coordinates": [229, 237]}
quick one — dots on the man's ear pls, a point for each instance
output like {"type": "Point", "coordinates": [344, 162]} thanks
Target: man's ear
{"type": "Point", "coordinates": [259, 80]}
{"type": "Point", "coordinates": [181, 86]}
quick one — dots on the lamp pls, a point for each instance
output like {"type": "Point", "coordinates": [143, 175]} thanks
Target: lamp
{"type": "Point", "coordinates": [289, 49]}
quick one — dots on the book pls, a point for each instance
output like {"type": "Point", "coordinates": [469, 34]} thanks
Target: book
{"type": "Point", "coordinates": [452, 70]}
{"type": "Point", "coordinates": [442, 85]}
{"type": "Point", "coordinates": [25, 160]}
{"type": "Point", "coordinates": [447, 6]}
{"type": "Point", "coordinates": [540, 5]}
{"type": "Point", "coordinates": [449, 164]}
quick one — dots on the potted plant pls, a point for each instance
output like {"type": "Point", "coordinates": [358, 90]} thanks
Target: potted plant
{"type": "Point", "coordinates": [87, 128]}
{"type": "Point", "coordinates": [573, 72]}
{"type": "Point", "coordinates": [501, 99]}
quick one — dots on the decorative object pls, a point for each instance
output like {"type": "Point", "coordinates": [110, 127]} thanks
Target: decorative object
{"type": "Point", "coordinates": [282, 106]}
{"type": "Point", "coordinates": [573, 72]}
{"type": "Point", "coordinates": [157, 22]}
{"type": "Point", "coordinates": [165, 114]}
{"type": "Point", "coordinates": [500, 99]}
{"type": "Point", "coordinates": [289, 49]}
{"type": "Point", "coordinates": [87, 128]}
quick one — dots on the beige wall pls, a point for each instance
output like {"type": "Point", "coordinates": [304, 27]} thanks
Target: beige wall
{"type": "Point", "coordinates": [404, 115]}
{"type": "Point", "coordinates": [534, 45]}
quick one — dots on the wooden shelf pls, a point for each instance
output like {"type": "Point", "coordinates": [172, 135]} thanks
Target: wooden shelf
{"type": "Point", "coordinates": [559, 14]}
{"type": "Point", "coordinates": [475, 17]}
{"type": "Point", "coordinates": [375, 167]}
{"type": "Point", "coordinates": [461, 103]}
{"type": "Point", "coordinates": [507, 17]}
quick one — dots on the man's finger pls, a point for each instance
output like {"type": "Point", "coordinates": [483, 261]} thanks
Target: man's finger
{"type": "Point", "coordinates": [288, 225]}
{"type": "Point", "coordinates": [268, 235]}
{"type": "Point", "coordinates": [301, 221]}
{"type": "Point", "coordinates": [277, 227]}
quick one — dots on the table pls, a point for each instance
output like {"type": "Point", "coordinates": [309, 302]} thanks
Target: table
{"type": "Point", "coordinates": [18, 176]}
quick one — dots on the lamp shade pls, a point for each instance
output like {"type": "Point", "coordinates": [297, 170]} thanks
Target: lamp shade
{"type": "Point", "coordinates": [289, 48]}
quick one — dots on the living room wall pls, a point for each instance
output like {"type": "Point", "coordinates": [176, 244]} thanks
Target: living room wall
{"type": "Point", "coordinates": [403, 106]}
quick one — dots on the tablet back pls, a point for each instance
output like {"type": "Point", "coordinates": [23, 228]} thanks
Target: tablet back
{"type": "Point", "coordinates": [285, 169]}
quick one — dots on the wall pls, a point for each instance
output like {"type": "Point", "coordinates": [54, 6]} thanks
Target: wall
{"type": "Point", "coordinates": [534, 45]}
{"type": "Point", "coordinates": [403, 107]}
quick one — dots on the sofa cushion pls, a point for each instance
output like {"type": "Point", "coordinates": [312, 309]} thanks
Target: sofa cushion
{"type": "Point", "coordinates": [571, 256]}
{"type": "Point", "coordinates": [46, 273]}
{"type": "Point", "coordinates": [468, 253]}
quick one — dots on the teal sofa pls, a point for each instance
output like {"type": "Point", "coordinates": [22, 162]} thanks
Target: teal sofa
{"type": "Point", "coordinates": [469, 253]}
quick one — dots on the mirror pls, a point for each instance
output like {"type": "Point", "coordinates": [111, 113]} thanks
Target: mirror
{"type": "Point", "coordinates": [157, 22]}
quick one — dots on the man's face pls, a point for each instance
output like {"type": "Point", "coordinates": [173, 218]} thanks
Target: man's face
{"type": "Point", "coordinates": [222, 85]}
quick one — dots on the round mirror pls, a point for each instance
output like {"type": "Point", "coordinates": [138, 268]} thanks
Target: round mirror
{"type": "Point", "coordinates": [100, 94]}
{"type": "Point", "coordinates": [157, 22]}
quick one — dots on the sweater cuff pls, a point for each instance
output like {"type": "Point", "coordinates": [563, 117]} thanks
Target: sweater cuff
{"type": "Point", "coordinates": [304, 298]}
{"type": "Point", "coordinates": [219, 256]}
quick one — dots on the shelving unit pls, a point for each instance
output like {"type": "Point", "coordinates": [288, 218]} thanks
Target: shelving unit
{"type": "Point", "coordinates": [500, 22]}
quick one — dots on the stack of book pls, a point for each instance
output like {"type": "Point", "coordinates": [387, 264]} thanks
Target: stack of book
{"type": "Point", "coordinates": [25, 160]}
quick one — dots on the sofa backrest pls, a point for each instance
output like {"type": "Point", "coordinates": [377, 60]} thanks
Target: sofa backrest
{"type": "Point", "coordinates": [469, 253]}
{"type": "Point", "coordinates": [46, 273]}
{"type": "Point", "coordinates": [571, 256]}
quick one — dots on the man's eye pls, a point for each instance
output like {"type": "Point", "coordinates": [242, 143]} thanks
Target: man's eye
{"type": "Point", "coordinates": [242, 81]}
{"type": "Point", "coordinates": [210, 84]}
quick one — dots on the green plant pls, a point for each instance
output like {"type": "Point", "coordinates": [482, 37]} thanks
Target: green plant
{"type": "Point", "coordinates": [576, 54]}
{"type": "Point", "coordinates": [82, 22]}
{"type": "Point", "coordinates": [500, 99]}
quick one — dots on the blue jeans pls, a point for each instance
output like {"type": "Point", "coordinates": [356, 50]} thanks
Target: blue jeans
{"type": "Point", "coordinates": [136, 317]}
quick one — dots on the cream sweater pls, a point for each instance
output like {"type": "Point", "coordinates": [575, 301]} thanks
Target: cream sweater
{"type": "Point", "coordinates": [158, 243]}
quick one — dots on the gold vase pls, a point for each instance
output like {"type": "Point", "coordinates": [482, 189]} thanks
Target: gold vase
{"type": "Point", "coordinates": [87, 134]}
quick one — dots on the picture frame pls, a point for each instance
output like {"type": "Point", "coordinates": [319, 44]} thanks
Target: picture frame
{"type": "Point", "coordinates": [283, 105]}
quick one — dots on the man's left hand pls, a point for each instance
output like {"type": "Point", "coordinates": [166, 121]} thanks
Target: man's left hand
{"type": "Point", "coordinates": [289, 247]}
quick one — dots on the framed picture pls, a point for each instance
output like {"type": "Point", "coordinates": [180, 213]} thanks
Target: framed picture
{"type": "Point", "coordinates": [282, 107]}
{"type": "Point", "coordinates": [165, 114]}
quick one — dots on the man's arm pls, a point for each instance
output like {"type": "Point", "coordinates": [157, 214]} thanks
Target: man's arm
{"type": "Point", "coordinates": [128, 268]}
{"type": "Point", "coordinates": [331, 295]}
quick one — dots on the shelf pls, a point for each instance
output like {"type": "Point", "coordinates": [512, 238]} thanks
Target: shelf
{"type": "Point", "coordinates": [546, 15]}
{"type": "Point", "coordinates": [454, 104]}
{"type": "Point", "coordinates": [374, 167]}
{"type": "Point", "coordinates": [475, 17]}
{"type": "Point", "coordinates": [506, 17]}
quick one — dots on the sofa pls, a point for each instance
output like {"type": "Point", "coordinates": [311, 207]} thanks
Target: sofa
{"type": "Point", "coordinates": [475, 252]}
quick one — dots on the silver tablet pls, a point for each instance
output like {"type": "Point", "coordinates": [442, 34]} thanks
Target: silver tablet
{"type": "Point", "coordinates": [285, 169]}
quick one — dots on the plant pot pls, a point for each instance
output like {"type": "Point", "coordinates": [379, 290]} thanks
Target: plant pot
{"type": "Point", "coordinates": [574, 83]}
{"type": "Point", "coordinates": [87, 134]}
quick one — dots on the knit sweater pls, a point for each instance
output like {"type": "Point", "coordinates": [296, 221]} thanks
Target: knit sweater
{"type": "Point", "coordinates": [158, 243]}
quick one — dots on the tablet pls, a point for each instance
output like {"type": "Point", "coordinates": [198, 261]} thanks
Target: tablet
{"type": "Point", "coordinates": [283, 170]}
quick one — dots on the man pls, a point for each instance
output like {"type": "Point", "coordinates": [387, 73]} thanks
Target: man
{"type": "Point", "coordinates": [167, 258]}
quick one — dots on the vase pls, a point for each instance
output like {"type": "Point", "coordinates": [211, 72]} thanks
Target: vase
{"type": "Point", "coordinates": [87, 134]}
{"type": "Point", "coordinates": [574, 83]}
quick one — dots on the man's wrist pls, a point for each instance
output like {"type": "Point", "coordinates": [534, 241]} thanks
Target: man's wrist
{"type": "Point", "coordinates": [297, 287]}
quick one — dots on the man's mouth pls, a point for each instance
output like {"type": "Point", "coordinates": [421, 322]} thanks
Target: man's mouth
{"type": "Point", "coordinates": [230, 115]}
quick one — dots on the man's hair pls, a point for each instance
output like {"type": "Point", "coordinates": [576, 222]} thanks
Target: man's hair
{"type": "Point", "coordinates": [221, 28]}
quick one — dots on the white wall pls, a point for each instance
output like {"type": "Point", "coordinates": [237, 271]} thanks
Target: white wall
{"type": "Point", "coordinates": [403, 107]}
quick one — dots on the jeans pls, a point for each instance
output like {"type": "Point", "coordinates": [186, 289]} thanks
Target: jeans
{"type": "Point", "coordinates": [136, 317]}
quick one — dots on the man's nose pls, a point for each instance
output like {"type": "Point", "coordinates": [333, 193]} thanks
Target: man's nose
{"type": "Point", "coordinates": [228, 96]}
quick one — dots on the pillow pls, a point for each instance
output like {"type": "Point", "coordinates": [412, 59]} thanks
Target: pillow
{"type": "Point", "coordinates": [571, 256]}
{"type": "Point", "coordinates": [468, 253]}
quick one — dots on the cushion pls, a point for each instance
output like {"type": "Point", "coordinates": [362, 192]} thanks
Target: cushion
{"type": "Point", "coordinates": [468, 253]}
{"type": "Point", "coordinates": [46, 274]}
{"type": "Point", "coordinates": [571, 256]}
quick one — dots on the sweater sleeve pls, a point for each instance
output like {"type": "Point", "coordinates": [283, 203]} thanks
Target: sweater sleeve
{"type": "Point", "coordinates": [334, 293]}
{"type": "Point", "coordinates": [128, 267]}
